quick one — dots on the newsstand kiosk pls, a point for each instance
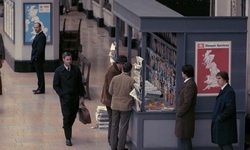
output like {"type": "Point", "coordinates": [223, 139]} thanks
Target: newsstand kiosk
{"type": "Point", "coordinates": [169, 41]}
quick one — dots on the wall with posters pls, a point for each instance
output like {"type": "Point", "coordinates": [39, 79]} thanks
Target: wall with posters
{"type": "Point", "coordinates": [19, 18]}
{"type": "Point", "coordinates": [211, 52]}
{"type": "Point", "coordinates": [223, 51]}
{"type": "Point", "coordinates": [9, 9]}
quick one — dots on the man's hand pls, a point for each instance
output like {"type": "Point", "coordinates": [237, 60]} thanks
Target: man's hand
{"type": "Point", "coordinates": [81, 100]}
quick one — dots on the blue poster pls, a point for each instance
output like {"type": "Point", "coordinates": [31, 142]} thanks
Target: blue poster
{"type": "Point", "coordinates": [37, 13]}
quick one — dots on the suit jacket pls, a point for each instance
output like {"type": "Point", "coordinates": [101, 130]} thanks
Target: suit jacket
{"type": "Point", "coordinates": [224, 126]}
{"type": "Point", "coordinates": [2, 49]}
{"type": "Point", "coordinates": [185, 116]}
{"type": "Point", "coordinates": [120, 87]}
{"type": "Point", "coordinates": [38, 47]}
{"type": "Point", "coordinates": [112, 71]}
{"type": "Point", "coordinates": [68, 84]}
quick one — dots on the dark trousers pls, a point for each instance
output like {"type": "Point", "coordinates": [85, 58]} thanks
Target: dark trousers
{"type": "Point", "coordinates": [69, 108]}
{"type": "Point", "coordinates": [40, 75]}
{"type": "Point", "coordinates": [1, 90]}
{"type": "Point", "coordinates": [120, 122]}
{"type": "Point", "coordinates": [109, 110]}
{"type": "Point", "coordinates": [186, 144]}
{"type": "Point", "coordinates": [226, 147]}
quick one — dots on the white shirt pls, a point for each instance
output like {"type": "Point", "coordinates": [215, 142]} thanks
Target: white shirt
{"type": "Point", "coordinates": [223, 86]}
{"type": "Point", "coordinates": [186, 80]}
{"type": "Point", "coordinates": [67, 68]}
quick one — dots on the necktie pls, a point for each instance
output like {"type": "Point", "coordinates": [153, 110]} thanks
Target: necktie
{"type": "Point", "coordinates": [220, 91]}
{"type": "Point", "coordinates": [68, 69]}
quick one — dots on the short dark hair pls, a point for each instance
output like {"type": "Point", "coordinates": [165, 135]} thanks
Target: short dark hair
{"type": "Point", "coordinates": [66, 54]}
{"type": "Point", "coordinates": [127, 67]}
{"type": "Point", "coordinates": [39, 24]}
{"type": "Point", "coordinates": [223, 75]}
{"type": "Point", "coordinates": [188, 70]}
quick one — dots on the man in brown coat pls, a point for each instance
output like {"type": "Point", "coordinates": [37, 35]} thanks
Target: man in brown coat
{"type": "Point", "coordinates": [113, 70]}
{"type": "Point", "coordinates": [185, 116]}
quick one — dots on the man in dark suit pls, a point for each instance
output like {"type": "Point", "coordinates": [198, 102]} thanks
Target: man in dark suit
{"type": "Point", "coordinates": [2, 56]}
{"type": "Point", "coordinates": [1, 65]}
{"type": "Point", "coordinates": [1, 4]}
{"type": "Point", "coordinates": [185, 116]}
{"type": "Point", "coordinates": [38, 57]}
{"type": "Point", "coordinates": [224, 126]}
{"type": "Point", "coordinates": [68, 85]}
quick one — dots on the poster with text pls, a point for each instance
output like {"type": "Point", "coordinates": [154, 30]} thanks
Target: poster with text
{"type": "Point", "coordinates": [9, 19]}
{"type": "Point", "coordinates": [36, 12]}
{"type": "Point", "coordinates": [211, 57]}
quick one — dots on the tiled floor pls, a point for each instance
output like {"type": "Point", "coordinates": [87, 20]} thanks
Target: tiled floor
{"type": "Point", "coordinates": [34, 122]}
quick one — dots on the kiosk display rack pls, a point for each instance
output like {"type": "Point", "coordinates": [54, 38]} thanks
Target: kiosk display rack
{"type": "Point", "coordinates": [161, 69]}
{"type": "Point", "coordinates": [167, 43]}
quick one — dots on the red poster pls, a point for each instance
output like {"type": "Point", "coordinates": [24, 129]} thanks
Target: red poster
{"type": "Point", "coordinates": [211, 57]}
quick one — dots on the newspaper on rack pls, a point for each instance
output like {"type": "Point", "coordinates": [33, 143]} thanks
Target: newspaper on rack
{"type": "Point", "coordinates": [137, 86]}
{"type": "Point", "coordinates": [138, 64]}
{"type": "Point", "coordinates": [133, 93]}
{"type": "Point", "coordinates": [139, 60]}
{"type": "Point", "coordinates": [112, 53]}
{"type": "Point", "coordinates": [151, 90]}
{"type": "Point", "coordinates": [137, 79]}
{"type": "Point", "coordinates": [137, 72]}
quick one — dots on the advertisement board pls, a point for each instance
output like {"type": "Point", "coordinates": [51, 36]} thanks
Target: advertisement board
{"type": "Point", "coordinates": [211, 57]}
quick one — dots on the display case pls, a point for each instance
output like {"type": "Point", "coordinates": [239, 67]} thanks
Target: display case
{"type": "Point", "coordinates": [160, 84]}
{"type": "Point", "coordinates": [161, 70]}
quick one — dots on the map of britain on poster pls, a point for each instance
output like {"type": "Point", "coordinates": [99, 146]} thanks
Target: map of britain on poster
{"type": "Point", "coordinates": [37, 13]}
{"type": "Point", "coordinates": [211, 57]}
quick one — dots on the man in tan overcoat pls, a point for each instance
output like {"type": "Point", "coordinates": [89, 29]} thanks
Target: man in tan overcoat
{"type": "Point", "coordinates": [121, 105]}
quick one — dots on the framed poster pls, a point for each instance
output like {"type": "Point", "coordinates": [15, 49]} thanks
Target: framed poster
{"type": "Point", "coordinates": [9, 19]}
{"type": "Point", "coordinates": [37, 12]}
{"type": "Point", "coordinates": [211, 57]}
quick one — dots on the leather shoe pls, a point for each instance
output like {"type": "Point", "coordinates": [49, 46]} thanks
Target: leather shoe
{"type": "Point", "coordinates": [38, 92]}
{"type": "Point", "coordinates": [68, 142]}
{"type": "Point", "coordinates": [34, 90]}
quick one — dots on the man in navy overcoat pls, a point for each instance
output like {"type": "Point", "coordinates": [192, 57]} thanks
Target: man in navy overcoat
{"type": "Point", "coordinates": [67, 83]}
{"type": "Point", "coordinates": [224, 127]}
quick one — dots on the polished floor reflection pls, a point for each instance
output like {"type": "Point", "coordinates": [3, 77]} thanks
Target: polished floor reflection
{"type": "Point", "coordinates": [34, 122]}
